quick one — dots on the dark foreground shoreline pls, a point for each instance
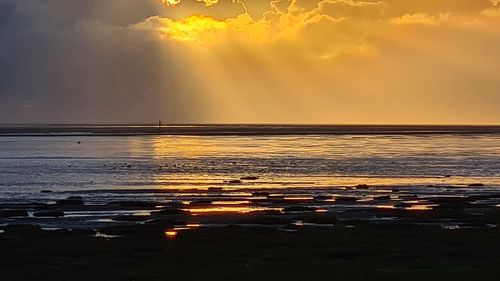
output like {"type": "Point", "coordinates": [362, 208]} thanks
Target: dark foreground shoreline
{"type": "Point", "coordinates": [239, 130]}
{"type": "Point", "coordinates": [449, 236]}
{"type": "Point", "coordinates": [363, 252]}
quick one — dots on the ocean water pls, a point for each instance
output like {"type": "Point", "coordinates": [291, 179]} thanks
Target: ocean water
{"type": "Point", "coordinates": [111, 165]}
{"type": "Point", "coordinates": [205, 171]}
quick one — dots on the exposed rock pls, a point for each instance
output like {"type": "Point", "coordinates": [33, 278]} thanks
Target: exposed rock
{"type": "Point", "coordinates": [249, 178]}
{"type": "Point", "coordinates": [13, 213]}
{"type": "Point", "coordinates": [133, 229]}
{"type": "Point", "coordinates": [346, 199]}
{"type": "Point", "coordinates": [260, 194]}
{"type": "Point", "coordinates": [201, 202]}
{"type": "Point", "coordinates": [133, 204]}
{"type": "Point", "coordinates": [319, 218]}
{"type": "Point", "coordinates": [131, 218]}
{"type": "Point", "coordinates": [476, 185]}
{"type": "Point", "coordinates": [403, 205]}
{"type": "Point", "coordinates": [362, 186]}
{"type": "Point", "coordinates": [323, 197]}
{"type": "Point", "coordinates": [46, 191]}
{"type": "Point", "coordinates": [266, 220]}
{"type": "Point", "coordinates": [234, 182]}
{"type": "Point", "coordinates": [299, 209]}
{"type": "Point", "coordinates": [382, 197]}
{"type": "Point", "coordinates": [266, 213]}
{"type": "Point", "coordinates": [71, 201]}
{"type": "Point", "coordinates": [215, 189]}
{"type": "Point", "coordinates": [452, 202]}
{"type": "Point", "coordinates": [169, 212]}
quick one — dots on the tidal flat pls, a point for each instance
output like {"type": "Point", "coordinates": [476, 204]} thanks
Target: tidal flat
{"type": "Point", "coordinates": [361, 252]}
{"type": "Point", "coordinates": [380, 206]}
{"type": "Point", "coordinates": [455, 239]}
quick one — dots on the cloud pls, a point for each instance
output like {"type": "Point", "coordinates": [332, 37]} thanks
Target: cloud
{"type": "Point", "coordinates": [492, 12]}
{"type": "Point", "coordinates": [209, 2]}
{"type": "Point", "coordinates": [254, 61]}
{"type": "Point", "coordinates": [421, 18]}
{"type": "Point", "coordinates": [283, 22]}
{"type": "Point", "coordinates": [170, 2]}
{"type": "Point", "coordinates": [64, 63]}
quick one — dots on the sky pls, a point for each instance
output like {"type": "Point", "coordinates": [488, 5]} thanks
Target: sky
{"type": "Point", "coordinates": [250, 61]}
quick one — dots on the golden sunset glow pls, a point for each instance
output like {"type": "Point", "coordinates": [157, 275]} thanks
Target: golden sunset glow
{"type": "Point", "coordinates": [271, 139]}
{"type": "Point", "coordinates": [171, 2]}
{"type": "Point", "coordinates": [267, 61]}
{"type": "Point", "coordinates": [335, 61]}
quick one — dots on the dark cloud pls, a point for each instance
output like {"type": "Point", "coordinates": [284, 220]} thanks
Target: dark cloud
{"type": "Point", "coordinates": [80, 61]}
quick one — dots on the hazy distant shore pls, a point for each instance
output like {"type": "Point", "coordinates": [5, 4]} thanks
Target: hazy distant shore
{"type": "Point", "coordinates": [237, 130]}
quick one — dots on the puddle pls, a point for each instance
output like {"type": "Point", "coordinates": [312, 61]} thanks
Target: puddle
{"type": "Point", "coordinates": [451, 226]}
{"type": "Point", "coordinates": [50, 228]}
{"type": "Point", "coordinates": [241, 210]}
{"type": "Point", "coordinates": [106, 236]}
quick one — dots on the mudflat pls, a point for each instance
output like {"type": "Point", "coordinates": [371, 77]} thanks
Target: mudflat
{"type": "Point", "coordinates": [345, 251]}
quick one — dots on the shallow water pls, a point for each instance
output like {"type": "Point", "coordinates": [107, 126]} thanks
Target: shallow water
{"type": "Point", "coordinates": [30, 164]}
{"type": "Point", "coordinates": [195, 171]}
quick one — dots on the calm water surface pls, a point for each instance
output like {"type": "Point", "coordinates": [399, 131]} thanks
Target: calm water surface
{"type": "Point", "coordinates": [31, 164]}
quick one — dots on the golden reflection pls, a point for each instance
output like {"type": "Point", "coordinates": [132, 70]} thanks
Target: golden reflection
{"type": "Point", "coordinates": [388, 207]}
{"type": "Point", "coordinates": [239, 210]}
{"type": "Point", "coordinates": [231, 202]}
{"type": "Point", "coordinates": [171, 234]}
{"type": "Point", "coordinates": [299, 198]}
{"type": "Point", "coordinates": [421, 207]}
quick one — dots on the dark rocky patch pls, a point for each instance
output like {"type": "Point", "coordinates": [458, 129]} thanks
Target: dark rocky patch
{"type": "Point", "coordinates": [71, 201]}
{"type": "Point", "coordinates": [13, 213]}
{"type": "Point", "coordinates": [168, 212]}
{"type": "Point", "coordinates": [250, 178]}
{"type": "Point", "coordinates": [345, 199]}
{"type": "Point", "coordinates": [299, 209]}
{"type": "Point", "coordinates": [131, 218]}
{"type": "Point", "coordinates": [318, 218]}
{"type": "Point", "coordinates": [382, 197]}
{"type": "Point", "coordinates": [234, 182]}
{"type": "Point", "coordinates": [265, 220]}
{"type": "Point", "coordinates": [323, 197]}
{"type": "Point", "coordinates": [260, 193]}
{"type": "Point", "coordinates": [133, 204]}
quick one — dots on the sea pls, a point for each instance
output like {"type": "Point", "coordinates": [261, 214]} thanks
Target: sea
{"type": "Point", "coordinates": [179, 163]}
